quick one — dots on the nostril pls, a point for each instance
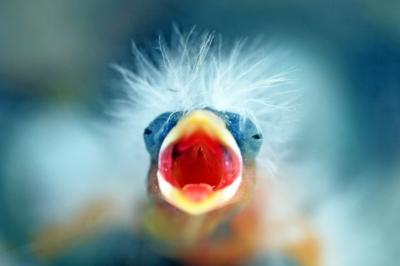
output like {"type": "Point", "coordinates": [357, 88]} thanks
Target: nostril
{"type": "Point", "coordinates": [147, 131]}
{"type": "Point", "coordinates": [256, 136]}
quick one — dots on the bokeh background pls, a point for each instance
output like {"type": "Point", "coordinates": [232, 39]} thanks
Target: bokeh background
{"type": "Point", "coordinates": [55, 78]}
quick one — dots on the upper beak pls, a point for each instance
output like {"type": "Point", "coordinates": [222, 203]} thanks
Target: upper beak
{"type": "Point", "coordinates": [200, 165]}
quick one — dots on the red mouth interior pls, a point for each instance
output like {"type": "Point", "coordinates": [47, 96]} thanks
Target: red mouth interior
{"type": "Point", "coordinates": [199, 164]}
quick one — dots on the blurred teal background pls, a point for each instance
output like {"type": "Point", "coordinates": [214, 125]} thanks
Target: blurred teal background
{"type": "Point", "coordinates": [55, 58]}
{"type": "Point", "coordinates": [59, 52]}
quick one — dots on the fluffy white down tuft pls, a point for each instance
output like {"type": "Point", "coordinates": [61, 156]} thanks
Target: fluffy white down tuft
{"type": "Point", "coordinates": [198, 70]}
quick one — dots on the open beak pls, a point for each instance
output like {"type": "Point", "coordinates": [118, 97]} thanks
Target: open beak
{"type": "Point", "coordinates": [200, 165]}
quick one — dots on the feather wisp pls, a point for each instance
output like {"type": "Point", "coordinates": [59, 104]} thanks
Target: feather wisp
{"type": "Point", "coordinates": [199, 70]}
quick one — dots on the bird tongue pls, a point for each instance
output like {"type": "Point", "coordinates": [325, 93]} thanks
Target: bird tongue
{"type": "Point", "coordinates": [197, 192]}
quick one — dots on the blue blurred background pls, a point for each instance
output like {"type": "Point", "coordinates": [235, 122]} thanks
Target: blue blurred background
{"type": "Point", "coordinates": [55, 75]}
{"type": "Point", "coordinates": [59, 52]}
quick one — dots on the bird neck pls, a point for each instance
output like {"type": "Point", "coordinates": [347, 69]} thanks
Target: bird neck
{"type": "Point", "coordinates": [175, 231]}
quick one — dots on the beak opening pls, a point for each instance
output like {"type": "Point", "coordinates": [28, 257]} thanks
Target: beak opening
{"type": "Point", "coordinates": [200, 165]}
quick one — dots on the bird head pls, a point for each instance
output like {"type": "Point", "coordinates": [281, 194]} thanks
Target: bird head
{"type": "Point", "coordinates": [201, 159]}
{"type": "Point", "coordinates": [203, 152]}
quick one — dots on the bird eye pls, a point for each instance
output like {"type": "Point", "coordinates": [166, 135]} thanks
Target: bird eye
{"type": "Point", "coordinates": [246, 134]}
{"type": "Point", "coordinates": [156, 131]}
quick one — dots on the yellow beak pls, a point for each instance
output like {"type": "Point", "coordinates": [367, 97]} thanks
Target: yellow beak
{"type": "Point", "coordinates": [200, 165]}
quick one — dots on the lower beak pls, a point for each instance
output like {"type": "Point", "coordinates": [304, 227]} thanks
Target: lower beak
{"type": "Point", "coordinates": [200, 164]}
